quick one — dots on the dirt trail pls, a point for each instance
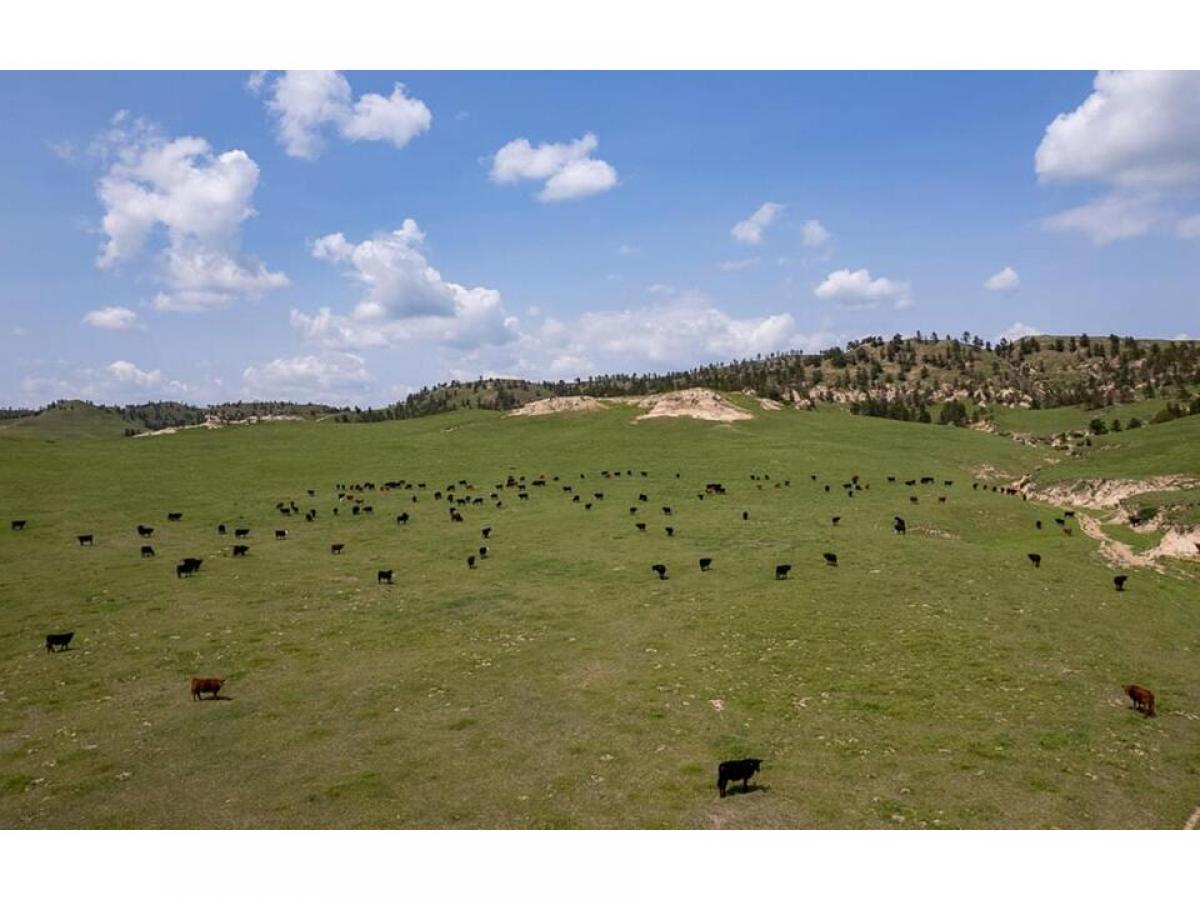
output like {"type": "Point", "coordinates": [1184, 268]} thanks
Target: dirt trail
{"type": "Point", "coordinates": [1175, 544]}
{"type": "Point", "coordinates": [1113, 550]}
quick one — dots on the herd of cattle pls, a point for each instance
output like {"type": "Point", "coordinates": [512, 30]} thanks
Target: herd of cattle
{"type": "Point", "coordinates": [460, 494]}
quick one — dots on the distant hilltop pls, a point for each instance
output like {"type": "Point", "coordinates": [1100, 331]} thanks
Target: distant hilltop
{"type": "Point", "coordinates": [898, 378]}
{"type": "Point", "coordinates": [912, 378]}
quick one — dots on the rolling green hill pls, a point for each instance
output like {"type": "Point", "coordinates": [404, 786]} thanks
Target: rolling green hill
{"type": "Point", "coordinates": [930, 680]}
{"type": "Point", "coordinates": [894, 378]}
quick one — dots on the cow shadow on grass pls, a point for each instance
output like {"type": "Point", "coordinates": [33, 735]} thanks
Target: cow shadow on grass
{"type": "Point", "coordinates": [749, 789]}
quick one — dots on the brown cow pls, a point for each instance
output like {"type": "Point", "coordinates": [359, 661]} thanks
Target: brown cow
{"type": "Point", "coordinates": [1143, 698]}
{"type": "Point", "coordinates": [206, 686]}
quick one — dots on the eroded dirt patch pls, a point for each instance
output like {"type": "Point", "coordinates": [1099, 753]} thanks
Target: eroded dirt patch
{"type": "Point", "coordinates": [693, 403]}
{"type": "Point", "coordinates": [558, 405]}
{"type": "Point", "coordinates": [1107, 493]}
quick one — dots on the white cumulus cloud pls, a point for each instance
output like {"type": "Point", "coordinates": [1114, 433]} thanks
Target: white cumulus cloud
{"type": "Point", "coordinates": [684, 331]}
{"type": "Point", "coordinates": [1114, 217]}
{"type": "Point", "coordinates": [127, 372]}
{"type": "Point", "coordinates": [569, 171]}
{"type": "Point", "coordinates": [1005, 280]}
{"type": "Point", "coordinates": [1018, 330]}
{"type": "Point", "coordinates": [813, 233]}
{"type": "Point", "coordinates": [198, 199]}
{"type": "Point", "coordinates": [858, 290]}
{"type": "Point", "coordinates": [403, 297]}
{"type": "Point", "coordinates": [324, 376]}
{"type": "Point", "coordinates": [751, 230]}
{"type": "Point", "coordinates": [308, 104]}
{"type": "Point", "coordinates": [112, 318]}
{"type": "Point", "coordinates": [1138, 133]}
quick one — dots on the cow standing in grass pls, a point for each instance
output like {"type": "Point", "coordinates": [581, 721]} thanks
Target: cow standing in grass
{"type": "Point", "coordinates": [737, 770]}
{"type": "Point", "coordinates": [206, 686]}
{"type": "Point", "coordinates": [1143, 698]}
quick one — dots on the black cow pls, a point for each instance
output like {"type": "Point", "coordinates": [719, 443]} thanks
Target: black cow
{"type": "Point", "coordinates": [666, 510]}
{"type": "Point", "coordinates": [241, 532]}
{"type": "Point", "coordinates": [599, 495]}
{"type": "Point", "coordinates": [891, 478]}
{"type": "Point", "coordinates": [280, 534]}
{"type": "Point", "coordinates": [781, 571]}
{"type": "Point", "coordinates": [827, 489]}
{"type": "Point", "coordinates": [836, 519]}
{"type": "Point", "coordinates": [144, 531]}
{"type": "Point", "coordinates": [670, 531]}
{"type": "Point", "coordinates": [384, 576]}
{"type": "Point", "coordinates": [147, 551]}
{"type": "Point", "coordinates": [221, 528]}
{"type": "Point", "coordinates": [641, 526]}
{"type": "Point", "coordinates": [948, 483]}
{"type": "Point", "coordinates": [705, 563]}
{"type": "Point", "coordinates": [1060, 522]}
{"type": "Point", "coordinates": [18, 524]}
{"type": "Point", "coordinates": [1038, 524]}
{"type": "Point", "coordinates": [188, 566]}
{"type": "Point", "coordinates": [745, 516]}
{"type": "Point", "coordinates": [486, 531]}
{"type": "Point", "coordinates": [483, 552]}
{"type": "Point", "coordinates": [737, 770]}
{"type": "Point", "coordinates": [402, 519]}
{"type": "Point", "coordinates": [368, 509]}
{"type": "Point", "coordinates": [914, 500]}
{"type": "Point", "coordinates": [56, 642]}
{"type": "Point", "coordinates": [1069, 514]}
{"type": "Point", "coordinates": [1119, 581]}
{"type": "Point", "coordinates": [941, 499]}
{"type": "Point", "coordinates": [1036, 559]}
{"type": "Point", "coordinates": [660, 570]}
{"type": "Point", "coordinates": [900, 526]}
{"type": "Point", "coordinates": [632, 510]}
{"type": "Point", "coordinates": [644, 498]}
{"type": "Point", "coordinates": [586, 505]}
{"type": "Point", "coordinates": [575, 499]}
{"type": "Point", "coordinates": [336, 549]}
{"type": "Point", "coordinates": [86, 540]}
{"type": "Point", "coordinates": [470, 562]}
{"type": "Point", "coordinates": [240, 549]}
{"type": "Point", "coordinates": [174, 517]}
{"type": "Point", "coordinates": [830, 559]}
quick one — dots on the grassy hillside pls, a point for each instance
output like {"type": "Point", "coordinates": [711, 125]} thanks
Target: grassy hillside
{"type": "Point", "coordinates": [69, 420]}
{"type": "Point", "coordinates": [896, 378]}
{"type": "Point", "coordinates": [930, 680]}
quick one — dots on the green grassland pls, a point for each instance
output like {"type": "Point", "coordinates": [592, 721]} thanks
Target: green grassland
{"type": "Point", "coordinates": [930, 680]}
{"type": "Point", "coordinates": [1059, 419]}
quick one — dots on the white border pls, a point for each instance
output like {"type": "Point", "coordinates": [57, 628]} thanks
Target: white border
{"type": "Point", "coordinates": [582, 865]}
{"type": "Point", "coordinates": [602, 34]}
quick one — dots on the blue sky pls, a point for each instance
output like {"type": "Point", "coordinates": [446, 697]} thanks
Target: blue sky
{"type": "Point", "coordinates": [213, 236]}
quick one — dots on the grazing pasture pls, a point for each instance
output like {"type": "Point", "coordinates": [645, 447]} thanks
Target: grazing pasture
{"type": "Point", "coordinates": [930, 679]}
